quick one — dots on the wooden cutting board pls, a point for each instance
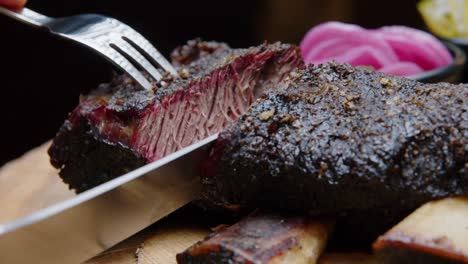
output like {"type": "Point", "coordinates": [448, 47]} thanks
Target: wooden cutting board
{"type": "Point", "coordinates": [30, 183]}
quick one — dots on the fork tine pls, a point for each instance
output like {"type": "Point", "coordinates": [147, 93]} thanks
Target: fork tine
{"type": "Point", "coordinates": [123, 63]}
{"type": "Point", "coordinates": [136, 39]}
{"type": "Point", "coordinates": [125, 47]}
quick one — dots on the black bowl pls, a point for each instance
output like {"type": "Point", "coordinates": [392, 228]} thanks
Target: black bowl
{"type": "Point", "coordinates": [453, 73]}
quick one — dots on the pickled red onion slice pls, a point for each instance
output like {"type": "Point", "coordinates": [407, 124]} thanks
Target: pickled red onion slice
{"type": "Point", "coordinates": [397, 50]}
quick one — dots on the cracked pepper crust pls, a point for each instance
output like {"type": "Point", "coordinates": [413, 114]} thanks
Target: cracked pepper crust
{"type": "Point", "coordinates": [345, 141]}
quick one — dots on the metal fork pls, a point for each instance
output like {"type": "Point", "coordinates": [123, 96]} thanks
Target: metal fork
{"type": "Point", "coordinates": [117, 42]}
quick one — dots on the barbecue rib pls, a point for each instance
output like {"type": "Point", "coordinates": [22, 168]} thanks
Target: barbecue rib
{"type": "Point", "coordinates": [435, 233]}
{"type": "Point", "coordinates": [120, 126]}
{"type": "Point", "coordinates": [263, 238]}
{"type": "Point", "coordinates": [338, 140]}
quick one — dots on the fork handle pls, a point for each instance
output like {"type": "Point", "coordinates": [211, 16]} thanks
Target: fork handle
{"type": "Point", "coordinates": [27, 16]}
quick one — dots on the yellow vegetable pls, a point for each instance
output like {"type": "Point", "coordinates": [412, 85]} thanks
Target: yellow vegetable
{"type": "Point", "coordinates": [445, 18]}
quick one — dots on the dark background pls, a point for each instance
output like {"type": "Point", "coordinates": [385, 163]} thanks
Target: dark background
{"type": "Point", "coordinates": [42, 77]}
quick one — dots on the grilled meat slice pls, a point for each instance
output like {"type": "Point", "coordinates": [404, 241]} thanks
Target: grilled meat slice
{"type": "Point", "coordinates": [263, 238]}
{"type": "Point", "coordinates": [338, 140]}
{"type": "Point", "coordinates": [120, 126]}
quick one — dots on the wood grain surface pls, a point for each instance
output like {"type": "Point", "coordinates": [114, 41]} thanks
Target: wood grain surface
{"type": "Point", "coordinates": [30, 183]}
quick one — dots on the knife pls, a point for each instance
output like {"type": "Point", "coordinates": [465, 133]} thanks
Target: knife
{"type": "Point", "coordinates": [77, 229]}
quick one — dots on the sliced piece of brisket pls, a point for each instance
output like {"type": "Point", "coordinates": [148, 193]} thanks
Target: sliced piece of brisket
{"type": "Point", "coordinates": [345, 141]}
{"type": "Point", "coordinates": [120, 126]}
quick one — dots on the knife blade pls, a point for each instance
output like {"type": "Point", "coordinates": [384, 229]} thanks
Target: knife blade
{"type": "Point", "coordinates": [79, 228]}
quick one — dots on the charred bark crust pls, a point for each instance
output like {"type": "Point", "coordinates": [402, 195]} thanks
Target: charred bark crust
{"type": "Point", "coordinates": [90, 159]}
{"type": "Point", "coordinates": [345, 141]}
